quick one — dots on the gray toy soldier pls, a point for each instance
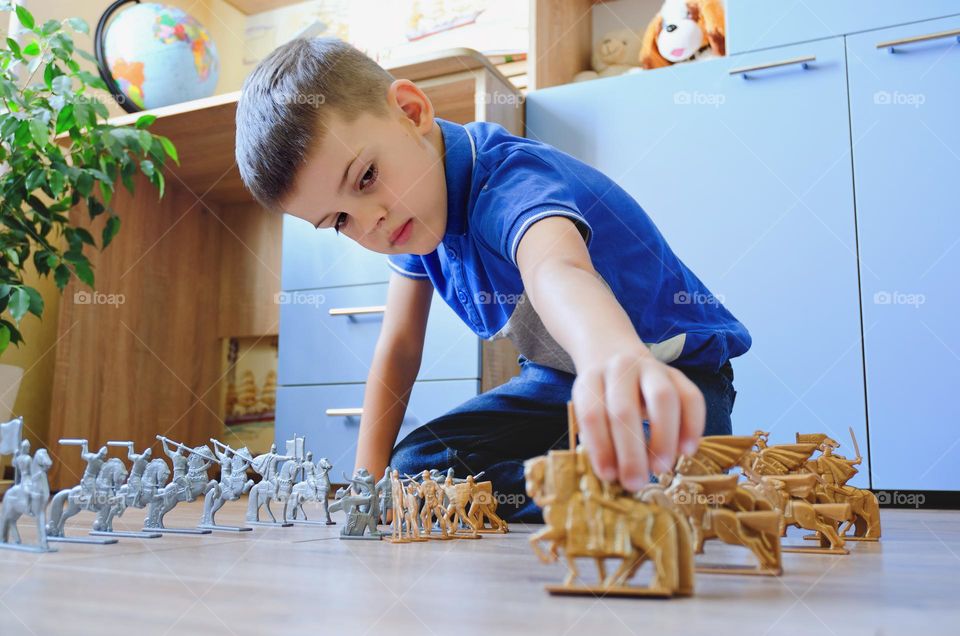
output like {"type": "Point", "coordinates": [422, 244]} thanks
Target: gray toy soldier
{"type": "Point", "coordinates": [27, 497]}
{"type": "Point", "coordinates": [21, 465]}
{"type": "Point", "coordinates": [179, 461]}
{"type": "Point", "coordinates": [232, 485]}
{"type": "Point", "coordinates": [385, 494]}
{"type": "Point", "coordinates": [138, 464]}
{"type": "Point", "coordinates": [314, 487]}
{"type": "Point", "coordinates": [359, 504]}
{"type": "Point", "coordinates": [268, 489]}
{"type": "Point", "coordinates": [88, 481]}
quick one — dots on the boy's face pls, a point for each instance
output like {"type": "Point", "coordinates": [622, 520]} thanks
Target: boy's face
{"type": "Point", "coordinates": [380, 179]}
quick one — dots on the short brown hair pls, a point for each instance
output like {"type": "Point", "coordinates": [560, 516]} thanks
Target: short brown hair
{"type": "Point", "coordinates": [286, 104]}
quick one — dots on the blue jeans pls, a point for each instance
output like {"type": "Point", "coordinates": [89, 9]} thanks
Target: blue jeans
{"type": "Point", "coordinates": [496, 431]}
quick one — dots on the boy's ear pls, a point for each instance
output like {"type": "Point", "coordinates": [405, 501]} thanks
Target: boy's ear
{"type": "Point", "coordinates": [414, 103]}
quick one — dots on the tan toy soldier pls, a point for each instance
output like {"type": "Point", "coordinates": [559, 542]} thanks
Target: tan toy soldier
{"type": "Point", "coordinates": [397, 495]}
{"type": "Point", "coordinates": [432, 506]}
{"type": "Point", "coordinates": [458, 496]}
{"type": "Point", "coordinates": [483, 507]}
{"type": "Point", "coordinates": [411, 512]}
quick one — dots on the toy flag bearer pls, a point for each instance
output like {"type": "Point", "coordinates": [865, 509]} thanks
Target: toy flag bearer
{"type": "Point", "coordinates": [10, 436]}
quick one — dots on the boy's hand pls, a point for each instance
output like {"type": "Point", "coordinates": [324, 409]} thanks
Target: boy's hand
{"type": "Point", "coordinates": [613, 397]}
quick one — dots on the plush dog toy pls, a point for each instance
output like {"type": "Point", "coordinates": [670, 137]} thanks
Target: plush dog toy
{"type": "Point", "coordinates": [683, 30]}
{"type": "Point", "coordinates": [616, 53]}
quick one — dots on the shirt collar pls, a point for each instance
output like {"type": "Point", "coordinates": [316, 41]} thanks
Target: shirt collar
{"type": "Point", "coordinates": [460, 154]}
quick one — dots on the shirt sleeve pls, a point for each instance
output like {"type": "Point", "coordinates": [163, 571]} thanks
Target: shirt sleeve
{"type": "Point", "coordinates": [409, 265]}
{"type": "Point", "coordinates": [523, 189]}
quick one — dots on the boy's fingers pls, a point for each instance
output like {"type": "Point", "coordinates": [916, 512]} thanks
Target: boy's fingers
{"type": "Point", "coordinates": [589, 407]}
{"type": "Point", "coordinates": [663, 409]}
{"type": "Point", "coordinates": [624, 408]}
{"type": "Point", "coordinates": [693, 412]}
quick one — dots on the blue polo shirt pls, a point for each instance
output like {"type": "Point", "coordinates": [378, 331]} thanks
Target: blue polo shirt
{"type": "Point", "coordinates": [498, 185]}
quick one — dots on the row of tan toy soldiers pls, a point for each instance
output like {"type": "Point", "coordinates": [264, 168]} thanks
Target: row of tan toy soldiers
{"type": "Point", "coordinates": [454, 505]}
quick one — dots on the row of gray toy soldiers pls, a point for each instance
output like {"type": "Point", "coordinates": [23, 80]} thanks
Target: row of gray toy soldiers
{"type": "Point", "coordinates": [417, 505]}
{"type": "Point", "coordinates": [107, 489]}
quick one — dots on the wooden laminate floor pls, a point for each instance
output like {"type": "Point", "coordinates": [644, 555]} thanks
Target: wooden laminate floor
{"type": "Point", "coordinates": [303, 580]}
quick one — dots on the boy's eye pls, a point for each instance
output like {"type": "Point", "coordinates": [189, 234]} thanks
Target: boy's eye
{"type": "Point", "coordinates": [368, 177]}
{"type": "Point", "coordinates": [341, 218]}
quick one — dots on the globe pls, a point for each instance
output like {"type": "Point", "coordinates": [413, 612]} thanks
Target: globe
{"type": "Point", "coordinates": [159, 55]}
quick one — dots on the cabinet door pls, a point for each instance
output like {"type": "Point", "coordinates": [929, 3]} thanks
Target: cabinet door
{"type": "Point", "coordinates": [320, 347]}
{"type": "Point", "coordinates": [906, 154]}
{"type": "Point", "coordinates": [760, 24]}
{"type": "Point", "coordinates": [312, 411]}
{"type": "Point", "coordinates": [750, 182]}
{"type": "Point", "coordinates": [319, 258]}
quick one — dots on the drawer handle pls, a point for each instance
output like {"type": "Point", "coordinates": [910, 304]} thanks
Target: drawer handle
{"type": "Point", "coordinates": [351, 412]}
{"type": "Point", "coordinates": [357, 311]}
{"type": "Point", "coordinates": [802, 61]}
{"type": "Point", "coordinates": [919, 38]}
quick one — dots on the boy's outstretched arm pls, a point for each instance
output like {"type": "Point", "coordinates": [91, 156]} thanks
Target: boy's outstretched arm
{"type": "Point", "coordinates": [396, 362]}
{"type": "Point", "coordinates": [618, 379]}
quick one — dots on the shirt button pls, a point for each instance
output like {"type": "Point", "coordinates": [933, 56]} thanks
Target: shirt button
{"type": "Point", "coordinates": [452, 253]}
{"type": "Point", "coordinates": [462, 296]}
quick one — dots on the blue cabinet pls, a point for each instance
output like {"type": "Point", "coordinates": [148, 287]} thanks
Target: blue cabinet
{"type": "Point", "coordinates": [329, 336]}
{"type": "Point", "coordinates": [750, 182]}
{"type": "Point", "coordinates": [906, 148]}
{"type": "Point", "coordinates": [760, 24]}
{"type": "Point", "coordinates": [315, 258]}
{"type": "Point", "coordinates": [326, 415]}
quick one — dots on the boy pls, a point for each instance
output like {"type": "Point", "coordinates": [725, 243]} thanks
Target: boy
{"type": "Point", "coordinates": [522, 241]}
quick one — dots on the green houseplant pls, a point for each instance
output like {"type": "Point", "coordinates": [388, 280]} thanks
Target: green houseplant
{"type": "Point", "coordinates": [57, 152]}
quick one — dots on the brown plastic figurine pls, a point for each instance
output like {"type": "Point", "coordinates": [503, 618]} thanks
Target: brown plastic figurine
{"type": "Point", "coordinates": [774, 482]}
{"type": "Point", "coordinates": [588, 518]}
{"type": "Point", "coordinates": [397, 497]}
{"type": "Point", "coordinates": [458, 496]}
{"type": "Point", "coordinates": [432, 497]}
{"type": "Point", "coordinates": [483, 508]}
{"type": "Point", "coordinates": [709, 499]}
{"type": "Point", "coordinates": [411, 512]}
{"type": "Point", "coordinates": [834, 471]}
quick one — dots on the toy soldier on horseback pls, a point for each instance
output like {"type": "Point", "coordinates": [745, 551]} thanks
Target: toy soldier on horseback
{"type": "Point", "coordinates": [30, 492]}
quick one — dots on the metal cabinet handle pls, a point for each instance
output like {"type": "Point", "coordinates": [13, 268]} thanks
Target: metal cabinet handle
{"type": "Point", "coordinates": [356, 311]}
{"type": "Point", "coordinates": [919, 38]}
{"type": "Point", "coordinates": [350, 412]}
{"type": "Point", "coordinates": [803, 61]}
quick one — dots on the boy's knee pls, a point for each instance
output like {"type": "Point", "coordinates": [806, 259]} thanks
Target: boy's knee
{"type": "Point", "coordinates": [414, 454]}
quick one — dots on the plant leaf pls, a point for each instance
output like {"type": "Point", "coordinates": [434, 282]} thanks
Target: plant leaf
{"type": "Point", "coordinates": [169, 148]}
{"type": "Point", "coordinates": [79, 24]}
{"type": "Point", "coordinates": [19, 304]}
{"type": "Point", "coordinates": [25, 17]}
{"type": "Point", "coordinates": [36, 302]}
{"type": "Point", "coordinates": [145, 120]}
{"type": "Point", "coordinates": [110, 230]}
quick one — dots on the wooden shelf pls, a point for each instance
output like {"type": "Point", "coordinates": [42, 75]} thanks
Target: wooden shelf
{"type": "Point", "coordinates": [252, 7]}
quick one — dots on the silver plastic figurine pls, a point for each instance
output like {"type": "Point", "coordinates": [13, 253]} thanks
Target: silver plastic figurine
{"type": "Point", "coordinates": [359, 503]}
{"type": "Point", "coordinates": [30, 492]}
{"type": "Point", "coordinates": [190, 480]}
{"type": "Point", "coordinates": [314, 487]}
{"type": "Point", "coordinates": [98, 492]}
{"type": "Point", "coordinates": [129, 494]}
{"type": "Point", "coordinates": [268, 489]}
{"type": "Point", "coordinates": [233, 484]}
